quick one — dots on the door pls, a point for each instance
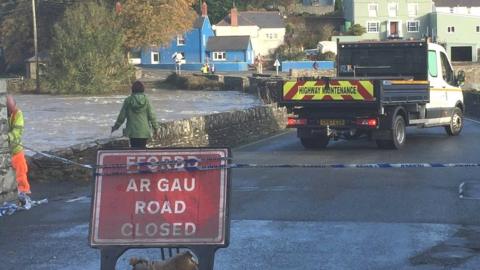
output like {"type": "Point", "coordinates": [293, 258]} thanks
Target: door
{"type": "Point", "coordinates": [462, 53]}
{"type": "Point", "coordinates": [394, 29]}
{"type": "Point", "coordinates": [452, 91]}
{"type": "Point", "coordinates": [438, 94]}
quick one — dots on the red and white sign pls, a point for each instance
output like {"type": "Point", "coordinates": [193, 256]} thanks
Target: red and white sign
{"type": "Point", "coordinates": [160, 198]}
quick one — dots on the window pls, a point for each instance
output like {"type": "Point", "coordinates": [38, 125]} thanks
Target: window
{"type": "Point", "coordinates": [412, 9]}
{"type": "Point", "coordinates": [180, 40]}
{"type": "Point", "coordinates": [447, 71]}
{"type": "Point", "coordinates": [219, 56]}
{"type": "Point", "coordinates": [413, 26]}
{"type": "Point", "coordinates": [432, 63]}
{"type": "Point", "coordinates": [271, 36]}
{"type": "Point", "coordinates": [372, 10]}
{"type": "Point", "coordinates": [478, 29]}
{"type": "Point", "coordinates": [451, 29]}
{"type": "Point", "coordinates": [372, 27]}
{"type": "Point", "coordinates": [155, 57]}
{"type": "Point", "coordinates": [392, 9]}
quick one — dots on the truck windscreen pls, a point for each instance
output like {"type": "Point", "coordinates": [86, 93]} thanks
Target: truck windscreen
{"type": "Point", "coordinates": [383, 60]}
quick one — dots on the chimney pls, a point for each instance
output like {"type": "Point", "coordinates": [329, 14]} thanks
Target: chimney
{"type": "Point", "coordinates": [204, 9]}
{"type": "Point", "coordinates": [234, 16]}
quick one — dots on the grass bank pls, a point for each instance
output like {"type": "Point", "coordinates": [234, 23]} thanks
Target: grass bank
{"type": "Point", "coordinates": [29, 86]}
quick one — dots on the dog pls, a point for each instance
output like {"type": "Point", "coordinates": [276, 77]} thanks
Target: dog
{"type": "Point", "coordinates": [182, 261]}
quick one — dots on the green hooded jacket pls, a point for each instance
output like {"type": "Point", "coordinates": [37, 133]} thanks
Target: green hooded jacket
{"type": "Point", "coordinates": [137, 111]}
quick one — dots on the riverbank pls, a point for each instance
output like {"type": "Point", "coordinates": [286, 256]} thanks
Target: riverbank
{"type": "Point", "coordinates": [25, 86]}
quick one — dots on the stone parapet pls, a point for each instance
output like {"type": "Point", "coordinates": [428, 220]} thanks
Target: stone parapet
{"type": "Point", "coordinates": [8, 185]}
{"type": "Point", "coordinates": [472, 75]}
{"type": "Point", "coordinates": [472, 103]}
{"type": "Point", "coordinates": [237, 83]}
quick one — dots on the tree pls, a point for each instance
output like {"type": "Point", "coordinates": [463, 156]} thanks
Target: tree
{"type": "Point", "coordinates": [153, 22]}
{"type": "Point", "coordinates": [87, 55]}
{"type": "Point", "coordinates": [217, 10]}
{"type": "Point", "coordinates": [356, 30]}
{"type": "Point", "coordinates": [287, 4]}
{"type": "Point", "coordinates": [338, 5]}
{"type": "Point", "coordinates": [16, 28]}
{"type": "Point", "coordinates": [16, 37]}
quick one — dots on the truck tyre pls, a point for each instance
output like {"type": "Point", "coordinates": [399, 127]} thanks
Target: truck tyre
{"type": "Point", "coordinates": [398, 135]}
{"type": "Point", "coordinates": [456, 123]}
{"type": "Point", "coordinates": [319, 142]}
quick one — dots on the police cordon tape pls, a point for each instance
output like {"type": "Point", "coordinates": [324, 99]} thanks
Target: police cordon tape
{"type": "Point", "coordinates": [189, 165]}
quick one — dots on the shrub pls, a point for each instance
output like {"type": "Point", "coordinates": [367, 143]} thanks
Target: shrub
{"type": "Point", "coordinates": [356, 30]}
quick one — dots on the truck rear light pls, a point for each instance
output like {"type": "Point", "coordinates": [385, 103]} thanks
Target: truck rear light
{"type": "Point", "coordinates": [295, 122]}
{"type": "Point", "coordinates": [367, 122]}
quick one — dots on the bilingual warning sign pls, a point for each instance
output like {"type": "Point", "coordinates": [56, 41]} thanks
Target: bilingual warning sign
{"type": "Point", "coordinates": [160, 198]}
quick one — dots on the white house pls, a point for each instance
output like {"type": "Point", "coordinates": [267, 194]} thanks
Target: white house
{"type": "Point", "coordinates": [265, 28]}
{"type": "Point", "coordinates": [463, 7]}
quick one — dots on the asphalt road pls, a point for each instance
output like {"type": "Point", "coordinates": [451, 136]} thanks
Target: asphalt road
{"type": "Point", "coordinates": [300, 218]}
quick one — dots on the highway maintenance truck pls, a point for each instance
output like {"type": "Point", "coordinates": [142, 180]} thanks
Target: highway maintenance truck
{"type": "Point", "coordinates": [381, 87]}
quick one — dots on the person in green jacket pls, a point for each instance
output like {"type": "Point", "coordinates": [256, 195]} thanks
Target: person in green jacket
{"type": "Point", "coordinates": [140, 117]}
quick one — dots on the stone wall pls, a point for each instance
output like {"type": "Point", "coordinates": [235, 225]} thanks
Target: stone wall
{"type": "Point", "coordinates": [8, 185]}
{"type": "Point", "coordinates": [228, 129]}
{"type": "Point", "coordinates": [269, 90]}
{"type": "Point", "coordinates": [296, 73]}
{"type": "Point", "coordinates": [472, 103]}
{"type": "Point", "coordinates": [472, 75]}
{"type": "Point", "coordinates": [237, 83]}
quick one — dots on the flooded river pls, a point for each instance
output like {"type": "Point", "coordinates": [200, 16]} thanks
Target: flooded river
{"type": "Point", "coordinates": [59, 121]}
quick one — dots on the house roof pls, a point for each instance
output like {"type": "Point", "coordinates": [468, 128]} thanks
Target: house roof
{"type": "Point", "coordinates": [42, 57]}
{"type": "Point", "coordinates": [264, 19]}
{"type": "Point", "coordinates": [228, 43]}
{"type": "Point", "coordinates": [457, 3]}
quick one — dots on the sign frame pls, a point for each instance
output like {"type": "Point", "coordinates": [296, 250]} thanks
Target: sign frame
{"type": "Point", "coordinates": [110, 252]}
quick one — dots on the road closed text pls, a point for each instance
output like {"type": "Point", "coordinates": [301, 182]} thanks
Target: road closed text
{"type": "Point", "coordinates": [160, 207]}
{"type": "Point", "coordinates": [163, 230]}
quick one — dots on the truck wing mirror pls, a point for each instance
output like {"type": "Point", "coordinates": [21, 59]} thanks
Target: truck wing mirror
{"type": "Point", "coordinates": [460, 78]}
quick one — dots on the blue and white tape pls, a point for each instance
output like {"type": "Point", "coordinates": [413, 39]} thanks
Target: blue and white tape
{"type": "Point", "coordinates": [188, 162]}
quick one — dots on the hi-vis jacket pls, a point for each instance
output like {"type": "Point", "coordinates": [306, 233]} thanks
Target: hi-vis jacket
{"type": "Point", "coordinates": [15, 132]}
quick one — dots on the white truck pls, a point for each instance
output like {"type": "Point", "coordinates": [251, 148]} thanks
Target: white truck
{"type": "Point", "coordinates": [381, 88]}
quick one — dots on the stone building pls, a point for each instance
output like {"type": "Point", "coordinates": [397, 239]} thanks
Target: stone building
{"type": "Point", "coordinates": [265, 28]}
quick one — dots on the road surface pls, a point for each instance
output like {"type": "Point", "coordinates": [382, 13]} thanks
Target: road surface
{"type": "Point", "coordinates": [300, 218]}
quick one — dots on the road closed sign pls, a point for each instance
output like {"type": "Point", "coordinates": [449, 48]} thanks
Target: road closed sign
{"type": "Point", "coordinates": [175, 197]}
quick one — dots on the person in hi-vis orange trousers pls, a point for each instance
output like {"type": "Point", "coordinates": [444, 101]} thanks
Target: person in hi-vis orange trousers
{"type": "Point", "coordinates": [15, 132]}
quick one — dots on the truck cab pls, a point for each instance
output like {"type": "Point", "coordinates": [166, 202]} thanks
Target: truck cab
{"type": "Point", "coordinates": [381, 88]}
{"type": "Point", "coordinates": [445, 91]}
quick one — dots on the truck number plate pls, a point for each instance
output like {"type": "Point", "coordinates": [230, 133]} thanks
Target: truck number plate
{"type": "Point", "coordinates": [332, 122]}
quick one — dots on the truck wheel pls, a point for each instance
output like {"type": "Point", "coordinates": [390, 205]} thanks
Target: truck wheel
{"type": "Point", "coordinates": [456, 124]}
{"type": "Point", "coordinates": [319, 142]}
{"type": "Point", "coordinates": [398, 135]}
